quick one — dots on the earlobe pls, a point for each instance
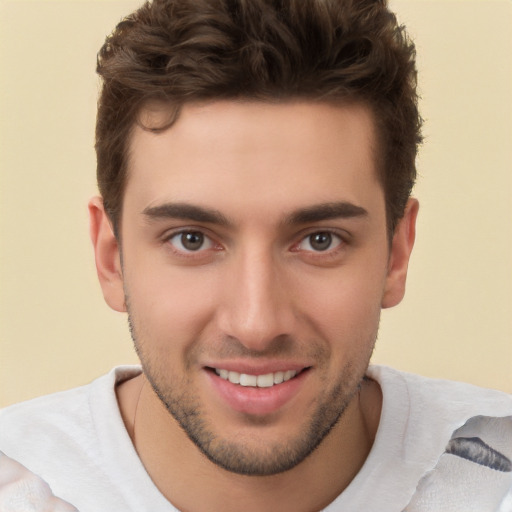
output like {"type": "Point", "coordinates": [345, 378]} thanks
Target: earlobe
{"type": "Point", "coordinates": [107, 255]}
{"type": "Point", "coordinates": [400, 253]}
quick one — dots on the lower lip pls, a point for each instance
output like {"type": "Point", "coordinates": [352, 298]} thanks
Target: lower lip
{"type": "Point", "coordinates": [254, 400]}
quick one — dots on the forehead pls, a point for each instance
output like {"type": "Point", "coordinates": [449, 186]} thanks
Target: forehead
{"type": "Point", "coordinates": [252, 154]}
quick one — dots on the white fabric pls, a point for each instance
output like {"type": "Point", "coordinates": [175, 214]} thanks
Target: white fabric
{"type": "Point", "coordinates": [21, 490]}
{"type": "Point", "coordinates": [76, 442]}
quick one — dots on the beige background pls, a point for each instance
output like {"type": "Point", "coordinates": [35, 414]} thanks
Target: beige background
{"type": "Point", "coordinates": [55, 330]}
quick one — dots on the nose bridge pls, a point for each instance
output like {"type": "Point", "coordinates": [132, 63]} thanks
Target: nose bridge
{"type": "Point", "coordinates": [256, 307]}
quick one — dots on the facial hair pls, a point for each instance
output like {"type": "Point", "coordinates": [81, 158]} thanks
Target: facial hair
{"type": "Point", "coordinates": [234, 454]}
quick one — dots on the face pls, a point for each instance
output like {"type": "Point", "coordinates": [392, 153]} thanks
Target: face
{"type": "Point", "coordinates": [255, 264]}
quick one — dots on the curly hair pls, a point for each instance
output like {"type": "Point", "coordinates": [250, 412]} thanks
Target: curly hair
{"type": "Point", "coordinates": [179, 51]}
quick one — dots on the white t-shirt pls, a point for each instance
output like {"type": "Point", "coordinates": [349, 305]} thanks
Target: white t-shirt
{"type": "Point", "coordinates": [440, 447]}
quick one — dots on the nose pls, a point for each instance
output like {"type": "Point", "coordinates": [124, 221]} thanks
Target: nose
{"type": "Point", "coordinates": [257, 306]}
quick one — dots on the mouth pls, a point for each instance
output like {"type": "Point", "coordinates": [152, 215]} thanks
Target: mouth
{"type": "Point", "coordinates": [259, 391]}
{"type": "Point", "coordinates": [266, 380]}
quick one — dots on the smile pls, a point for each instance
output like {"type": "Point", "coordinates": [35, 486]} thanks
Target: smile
{"type": "Point", "coordinates": [260, 381]}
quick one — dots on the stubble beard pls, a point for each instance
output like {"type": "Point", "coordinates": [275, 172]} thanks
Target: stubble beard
{"type": "Point", "coordinates": [238, 457]}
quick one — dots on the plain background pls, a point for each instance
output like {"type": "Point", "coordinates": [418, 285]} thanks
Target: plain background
{"type": "Point", "coordinates": [56, 331]}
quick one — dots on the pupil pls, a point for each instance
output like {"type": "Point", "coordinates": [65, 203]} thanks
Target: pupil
{"type": "Point", "coordinates": [320, 241]}
{"type": "Point", "coordinates": [192, 241]}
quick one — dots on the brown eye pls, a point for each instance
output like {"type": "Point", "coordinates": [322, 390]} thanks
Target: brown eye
{"type": "Point", "coordinates": [190, 241]}
{"type": "Point", "coordinates": [320, 241]}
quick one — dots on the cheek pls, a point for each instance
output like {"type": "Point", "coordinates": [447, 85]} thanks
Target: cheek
{"type": "Point", "coordinates": [168, 303]}
{"type": "Point", "coordinates": [345, 307]}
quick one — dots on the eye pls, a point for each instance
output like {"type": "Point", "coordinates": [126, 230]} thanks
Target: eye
{"type": "Point", "coordinates": [320, 241]}
{"type": "Point", "coordinates": [190, 241]}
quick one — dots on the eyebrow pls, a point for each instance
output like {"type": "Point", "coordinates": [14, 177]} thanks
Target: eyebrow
{"type": "Point", "coordinates": [315, 213]}
{"type": "Point", "coordinates": [186, 212]}
{"type": "Point", "coordinates": [326, 211]}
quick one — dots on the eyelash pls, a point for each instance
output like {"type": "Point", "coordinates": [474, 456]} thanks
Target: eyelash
{"type": "Point", "coordinates": [188, 253]}
{"type": "Point", "coordinates": [333, 236]}
{"type": "Point", "coordinates": [215, 246]}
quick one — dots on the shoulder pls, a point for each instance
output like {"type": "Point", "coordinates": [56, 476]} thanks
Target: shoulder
{"type": "Point", "coordinates": [61, 420]}
{"type": "Point", "coordinates": [450, 398]}
{"type": "Point", "coordinates": [76, 441]}
{"type": "Point", "coordinates": [18, 420]}
{"type": "Point", "coordinates": [447, 443]}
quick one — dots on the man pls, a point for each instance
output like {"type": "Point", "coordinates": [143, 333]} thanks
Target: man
{"type": "Point", "coordinates": [255, 165]}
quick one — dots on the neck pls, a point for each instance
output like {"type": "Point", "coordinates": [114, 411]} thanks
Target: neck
{"type": "Point", "coordinates": [179, 469]}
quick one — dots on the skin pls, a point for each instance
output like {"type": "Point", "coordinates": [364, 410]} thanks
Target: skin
{"type": "Point", "coordinates": [257, 295]}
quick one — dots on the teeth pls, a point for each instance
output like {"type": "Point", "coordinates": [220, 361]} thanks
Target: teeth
{"type": "Point", "coordinates": [278, 377]}
{"type": "Point", "coordinates": [261, 381]}
{"type": "Point", "coordinates": [248, 380]}
{"type": "Point", "coordinates": [289, 374]}
{"type": "Point", "coordinates": [265, 381]}
{"type": "Point", "coordinates": [233, 377]}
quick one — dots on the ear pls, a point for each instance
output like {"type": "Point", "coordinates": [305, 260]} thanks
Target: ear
{"type": "Point", "coordinates": [107, 255]}
{"type": "Point", "coordinates": [401, 248]}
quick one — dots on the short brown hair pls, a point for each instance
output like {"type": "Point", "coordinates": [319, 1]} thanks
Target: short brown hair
{"type": "Point", "coordinates": [179, 51]}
